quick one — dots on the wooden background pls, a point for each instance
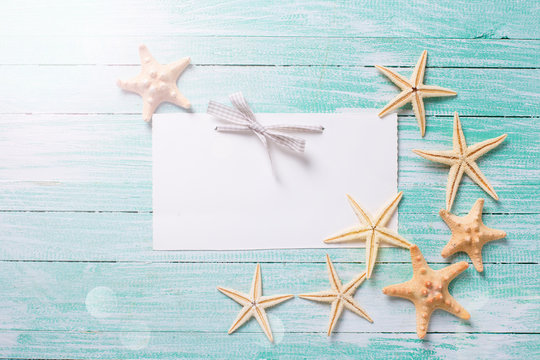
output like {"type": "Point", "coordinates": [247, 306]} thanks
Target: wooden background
{"type": "Point", "coordinates": [78, 277]}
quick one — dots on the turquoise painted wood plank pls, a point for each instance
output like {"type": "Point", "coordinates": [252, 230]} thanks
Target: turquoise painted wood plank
{"type": "Point", "coordinates": [103, 162]}
{"type": "Point", "coordinates": [50, 236]}
{"type": "Point", "coordinates": [287, 50]}
{"type": "Point", "coordinates": [145, 344]}
{"type": "Point", "coordinates": [183, 297]}
{"type": "Point", "coordinates": [92, 89]}
{"type": "Point", "coordinates": [402, 18]}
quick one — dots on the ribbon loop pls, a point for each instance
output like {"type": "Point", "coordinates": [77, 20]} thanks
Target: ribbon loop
{"type": "Point", "coordinates": [244, 120]}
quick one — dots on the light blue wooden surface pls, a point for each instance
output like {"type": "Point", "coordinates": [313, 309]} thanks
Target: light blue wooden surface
{"type": "Point", "coordinates": [78, 278]}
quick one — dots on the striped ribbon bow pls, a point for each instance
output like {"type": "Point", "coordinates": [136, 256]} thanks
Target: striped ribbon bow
{"type": "Point", "coordinates": [244, 120]}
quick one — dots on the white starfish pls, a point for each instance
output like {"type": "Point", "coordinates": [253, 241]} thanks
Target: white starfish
{"type": "Point", "coordinates": [462, 159]}
{"type": "Point", "coordinates": [254, 304]}
{"type": "Point", "coordinates": [156, 83]}
{"type": "Point", "coordinates": [340, 296]}
{"type": "Point", "coordinates": [413, 91]}
{"type": "Point", "coordinates": [372, 231]}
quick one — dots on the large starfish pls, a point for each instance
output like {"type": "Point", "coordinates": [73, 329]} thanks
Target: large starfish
{"type": "Point", "coordinates": [462, 159]}
{"type": "Point", "coordinates": [340, 296]}
{"type": "Point", "coordinates": [413, 91]}
{"type": "Point", "coordinates": [469, 234]}
{"type": "Point", "coordinates": [428, 290]}
{"type": "Point", "coordinates": [156, 83]}
{"type": "Point", "coordinates": [372, 230]}
{"type": "Point", "coordinates": [254, 304]}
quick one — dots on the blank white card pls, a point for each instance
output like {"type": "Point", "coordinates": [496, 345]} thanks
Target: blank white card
{"type": "Point", "coordinates": [217, 191]}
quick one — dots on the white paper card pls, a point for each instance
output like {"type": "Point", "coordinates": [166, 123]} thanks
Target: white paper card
{"type": "Point", "coordinates": [216, 191]}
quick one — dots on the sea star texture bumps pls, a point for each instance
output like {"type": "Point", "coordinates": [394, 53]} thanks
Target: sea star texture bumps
{"type": "Point", "coordinates": [372, 230]}
{"type": "Point", "coordinates": [156, 83]}
{"type": "Point", "coordinates": [339, 296]}
{"type": "Point", "coordinates": [413, 91]}
{"type": "Point", "coordinates": [254, 304]}
{"type": "Point", "coordinates": [428, 290]}
{"type": "Point", "coordinates": [469, 234]}
{"type": "Point", "coordinates": [462, 159]}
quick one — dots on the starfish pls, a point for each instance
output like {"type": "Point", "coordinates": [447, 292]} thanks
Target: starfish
{"type": "Point", "coordinates": [156, 83]}
{"type": "Point", "coordinates": [372, 230]}
{"type": "Point", "coordinates": [428, 290]}
{"type": "Point", "coordinates": [469, 234]}
{"type": "Point", "coordinates": [462, 159]}
{"type": "Point", "coordinates": [413, 91]}
{"type": "Point", "coordinates": [340, 296]}
{"type": "Point", "coordinates": [254, 304]}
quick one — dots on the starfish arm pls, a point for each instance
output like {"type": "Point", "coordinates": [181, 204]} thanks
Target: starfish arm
{"type": "Point", "coordinates": [353, 306]}
{"type": "Point", "coordinates": [477, 208]}
{"type": "Point", "coordinates": [393, 238]}
{"type": "Point", "coordinates": [388, 210]}
{"type": "Point", "coordinates": [244, 315]}
{"type": "Point", "coordinates": [451, 271]}
{"type": "Point", "coordinates": [477, 150]}
{"type": "Point", "coordinates": [454, 179]}
{"type": "Point", "coordinates": [401, 99]}
{"type": "Point", "coordinates": [397, 79]}
{"type": "Point", "coordinates": [362, 216]}
{"type": "Point", "coordinates": [335, 313]}
{"type": "Point", "coordinates": [269, 301]}
{"type": "Point", "coordinates": [459, 143]}
{"type": "Point", "coordinates": [417, 259]}
{"type": "Point", "coordinates": [450, 219]}
{"type": "Point", "coordinates": [476, 175]}
{"type": "Point", "coordinates": [321, 296]}
{"type": "Point", "coordinates": [417, 76]}
{"type": "Point", "coordinates": [353, 233]}
{"type": "Point", "coordinates": [422, 321]}
{"type": "Point", "coordinates": [148, 109]}
{"type": "Point", "coordinates": [176, 68]}
{"type": "Point", "coordinates": [447, 157]}
{"type": "Point", "coordinates": [260, 315]}
{"type": "Point", "coordinates": [372, 248]}
{"type": "Point", "coordinates": [492, 234]}
{"type": "Point", "coordinates": [419, 112]}
{"type": "Point", "coordinates": [131, 85]}
{"type": "Point", "coordinates": [177, 98]}
{"type": "Point", "coordinates": [237, 296]}
{"type": "Point", "coordinates": [256, 285]}
{"type": "Point", "coordinates": [335, 282]}
{"type": "Point", "coordinates": [451, 248]}
{"type": "Point", "coordinates": [476, 258]}
{"type": "Point", "coordinates": [352, 285]}
{"type": "Point", "coordinates": [453, 307]}
{"type": "Point", "coordinates": [403, 290]}
{"type": "Point", "coordinates": [144, 54]}
{"type": "Point", "coordinates": [429, 91]}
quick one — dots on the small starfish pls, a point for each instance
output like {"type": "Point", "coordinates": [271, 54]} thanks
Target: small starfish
{"type": "Point", "coordinates": [254, 304]}
{"type": "Point", "coordinates": [340, 296]}
{"type": "Point", "coordinates": [413, 91]}
{"type": "Point", "coordinates": [371, 230]}
{"type": "Point", "coordinates": [469, 234]}
{"type": "Point", "coordinates": [156, 83]}
{"type": "Point", "coordinates": [428, 290]}
{"type": "Point", "coordinates": [462, 159]}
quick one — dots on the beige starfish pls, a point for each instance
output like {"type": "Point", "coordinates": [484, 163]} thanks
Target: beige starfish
{"type": "Point", "coordinates": [413, 91]}
{"type": "Point", "coordinates": [469, 234]}
{"type": "Point", "coordinates": [462, 159]}
{"type": "Point", "coordinates": [156, 83]}
{"type": "Point", "coordinates": [340, 296]}
{"type": "Point", "coordinates": [372, 231]}
{"type": "Point", "coordinates": [428, 290]}
{"type": "Point", "coordinates": [254, 304]}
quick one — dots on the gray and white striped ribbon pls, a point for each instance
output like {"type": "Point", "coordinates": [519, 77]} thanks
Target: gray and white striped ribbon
{"type": "Point", "coordinates": [243, 119]}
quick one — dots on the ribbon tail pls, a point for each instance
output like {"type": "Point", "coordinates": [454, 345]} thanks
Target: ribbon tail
{"type": "Point", "coordinates": [292, 143]}
{"type": "Point", "coordinates": [297, 128]}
